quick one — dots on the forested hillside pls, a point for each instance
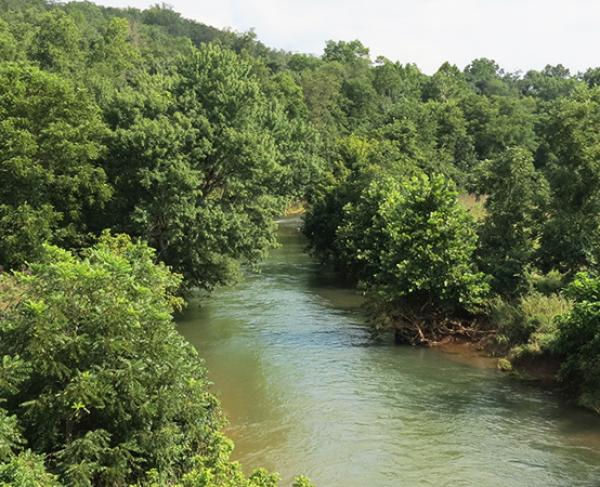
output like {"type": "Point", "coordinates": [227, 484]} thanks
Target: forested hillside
{"type": "Point", "coordinates": [143, 155]}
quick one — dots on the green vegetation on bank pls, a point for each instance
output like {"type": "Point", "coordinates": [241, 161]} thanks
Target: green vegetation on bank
{"type": "Point", "coordinates": [518, 153]}
{"type": "Point", "coordinates": [185, 141]}
{"type": "Point", "coordinates": [466, 202]}
{"type": "Point", "coordinates": [97, 382]}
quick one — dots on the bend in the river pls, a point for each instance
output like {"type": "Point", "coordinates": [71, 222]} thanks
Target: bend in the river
{"type": "Point", "coordinates": [308, 390]}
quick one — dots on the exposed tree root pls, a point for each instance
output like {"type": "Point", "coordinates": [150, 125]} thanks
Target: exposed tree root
{"type": "Point", "coordinates": [428, 332]}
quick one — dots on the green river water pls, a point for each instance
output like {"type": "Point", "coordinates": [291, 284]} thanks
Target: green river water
{"type": "Point", "coordinates": [307, 389]}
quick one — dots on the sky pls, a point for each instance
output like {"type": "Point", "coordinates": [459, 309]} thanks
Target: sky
{"type": "Point", "coordinates": [517, 34]}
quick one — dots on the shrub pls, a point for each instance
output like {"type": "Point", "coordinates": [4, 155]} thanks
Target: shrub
{"type": "Point", "coordinates": [579, 341]}
{"type": "Point", "coordinates": [528, 326]}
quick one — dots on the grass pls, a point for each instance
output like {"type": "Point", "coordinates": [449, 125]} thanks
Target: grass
{"type": "Point", "coordinates": [295, 209]}
{"type": "Point", "coordinates": [474, 204]}
{"type": "Point", "coordinates": [528, 327]}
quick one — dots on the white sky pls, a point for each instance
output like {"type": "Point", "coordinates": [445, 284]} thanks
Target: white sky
{"type": "Point", "coordinates": [518, 34]}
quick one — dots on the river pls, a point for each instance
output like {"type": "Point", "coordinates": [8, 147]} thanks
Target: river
{"type": "Point", "coordinates": [307, 389]}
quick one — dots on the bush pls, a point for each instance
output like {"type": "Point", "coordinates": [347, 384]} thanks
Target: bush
{"type": "Point", "coordinates": [551, 282]}
{"type": "Point", "coordinates": [528, 326]}
{"type": "Point", "coordinates": [579, 341]}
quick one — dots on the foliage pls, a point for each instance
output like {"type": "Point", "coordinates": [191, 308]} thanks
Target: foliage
{"type": "Point", "coordinates": [196, 172]}
{"type": "Point", "coordinates": [109, 389]}
{"type": "Point", "coordinates": [193, 139]}
{"type": "Point", "coordinates": [98, 383]}
{"type": "Point", "coordinates": [551, 83]}
{"type": "Point", "coordinates": [486, 77]}
{"type": "Point", "coordinates": [569, 156]}
{"type": "Point", "coordinates": [579, 341]}
{"type": "Point", "coordinates": [516, 199]}
{"type": "Point", "coordinates": [411, 244]}
{"type": "Point", "coordinates": [51, 139]}
{"type": "Point", "coordinates": [528, 326]}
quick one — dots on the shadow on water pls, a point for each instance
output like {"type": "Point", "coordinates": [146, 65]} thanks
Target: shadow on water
{"type": "Point", "coordinates": [309, 390]}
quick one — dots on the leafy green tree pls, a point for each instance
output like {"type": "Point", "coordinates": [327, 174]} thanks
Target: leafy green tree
{"type": "Point", "coordinates": [51, 138]}
{"type": "Point", "coordinates": [299, 62]}
{"type": "Point", "coordinates": [395, 81]}
{"type": "Point", "coordinates": [548, 84]}
{"type": "Point", "coordinates": [296, 139]}
{"type": "Point", "coordinates": [112, 58]}
{"type": "Point", "coordinates": [592, 77]}
{"type": "Point", "coordinates": [454, 145]}
{"type": "Point", "coordinates": [322, 92]}
{"type": "Point", "coordinates": [8, 45]}
{"type": "Point", "coordinates": [346, 52]}
{"type": "Point", "coordinates": [486, 77]}
{"type": "Point", "coordinates": [569, 156]}
{"type": "Point", "coordinates": [18, 466]}
{"type": "Point", "coordinates": [110, 389]}
{"type": "Point", "coordinates": [448, 82]}
{"type": "Point", "coordinates": [358, 99]}
{"type": "Point", "coordinates": [411, 129]}
{"type": "Point", "coordinates": [197, 173]}
{"type": "Point", "coordinates": [414, 245]}
{"type": "Point", "coordinates": [56, 44]}
{"type": "Point", "coordinates": [97, 381]}
{"type": "Point", "coordinates": [24, 229]}
{"type": "Point", "coordinates": [352, 165]}
{"type": "Point", "coordinates": [498, 122]}
{"type": "Point", "coordinates": [516, 197]}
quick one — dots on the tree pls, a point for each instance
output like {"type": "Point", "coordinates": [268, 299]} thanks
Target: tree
{"type": "Point", "coordinates": [346, 52]}
{"type": "Point", "coordinates": [296, 139]}
{"type": "Point", "coordinates": [395, 81]}
{"type": "Point", "coordinates": [322, 91]}
{"type": "Point", "coordinates": [18, 465]}
{"type": "Point", "coordinates": [109, 390]}
{"type": "Point", "coordinates": [353, 165]}
{"type": "Point", "coordinates": [56, 43]}
{"type": "Point", "coordinates": [98, 383]}
{"type": "Point", "coordinates": [112, 58]}
{"type": "Point", "coordinates": [498, 122]}
{"type": "Point", "coordinates": [569, 156]}
{"type": "Point", "coordinates": [196, 166]}
{"type": "Point", "coordinates": [549, 84]}
{"type": "Point", "coordinates": [486, 77]}
{"type": "Point", "coordinates": [516, 196]}
{"type": "Point", "coordinates": [446, 83]}
{"type": "Point", "coordinates": [8, 45]}
{"type": "Point", "coordinates": [592, 77]}
{"type": "Point", "coordinates": [358, 99]}
{"type": "Point", "coordinates": [455, 146]}
{"type": "Point", "coordinates": [51, 138]}
{"type": "Point", "coordinates": [414, 245]}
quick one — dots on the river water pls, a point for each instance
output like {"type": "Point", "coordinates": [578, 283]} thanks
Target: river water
{"type": "Point", "coordinates": [307, 389]}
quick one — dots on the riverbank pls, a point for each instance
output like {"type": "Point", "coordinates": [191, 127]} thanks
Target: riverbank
{"type": "Point", "coordinates": [478, 354]}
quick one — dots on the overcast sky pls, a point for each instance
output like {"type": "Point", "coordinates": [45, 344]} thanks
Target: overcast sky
{"type": "Point", "coordinates": [518, 34]}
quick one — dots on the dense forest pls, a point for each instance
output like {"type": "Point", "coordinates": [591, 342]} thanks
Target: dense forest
{"type": "Point", "coordinates": [144, 156]}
